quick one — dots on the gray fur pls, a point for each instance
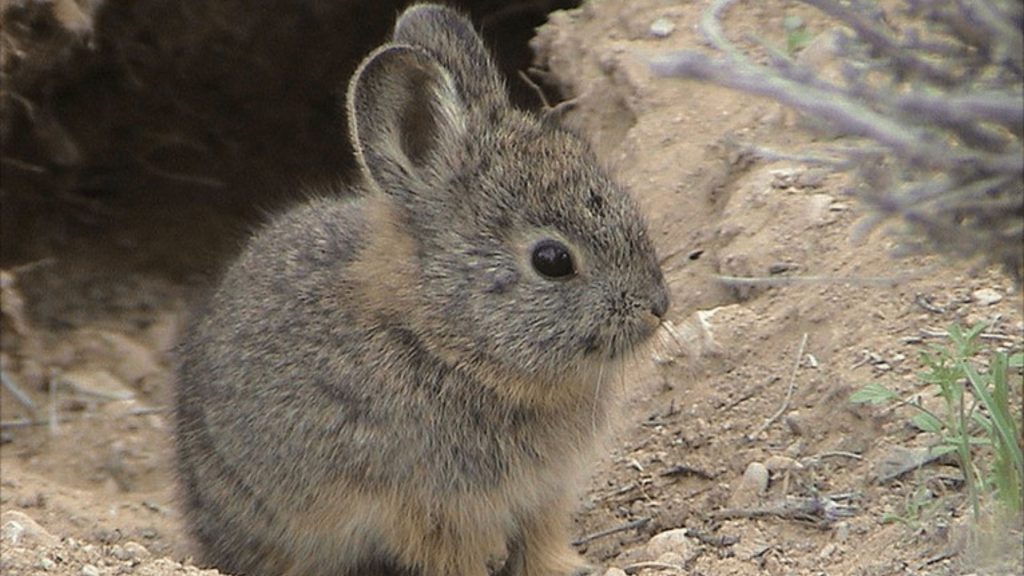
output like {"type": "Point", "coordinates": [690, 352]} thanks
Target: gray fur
{"type": "Point", "coordinates": [383, 384]}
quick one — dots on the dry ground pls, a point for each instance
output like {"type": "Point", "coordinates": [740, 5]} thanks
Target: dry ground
{"type": "Point", "coordinates": [758, 374]}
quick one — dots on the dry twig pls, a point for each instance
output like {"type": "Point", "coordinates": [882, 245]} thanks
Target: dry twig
{"type": "Point", "coordinates": [821, 511]}
{"type": "Point", "coordinates": [939, 114]}
{"type": "Point", "coordinates": [633, 525]}
{"type": "Point", "coordinates": [789, 391]}
{"type": "Point", "coordinates": [16, 391]}
{"type": "Point", "coordinates": [636, 567]}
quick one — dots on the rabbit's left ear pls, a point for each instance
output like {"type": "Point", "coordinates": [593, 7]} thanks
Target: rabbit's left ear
{"type": "Point", "coordinates": [451, 39]}
{"type": "Point", "coordinates": [407, 120]}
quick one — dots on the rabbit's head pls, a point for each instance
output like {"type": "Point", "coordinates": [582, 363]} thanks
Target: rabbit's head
{"type": "Point", "coordinates": [525, 257]}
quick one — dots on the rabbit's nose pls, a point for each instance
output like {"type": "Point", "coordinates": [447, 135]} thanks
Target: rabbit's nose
{"type": "Point", "coordinates": [659, 303]}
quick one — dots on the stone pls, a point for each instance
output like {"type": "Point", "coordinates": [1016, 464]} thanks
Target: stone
{"type": "Point", "coordinates": [752, 485]}
{"type": "Point", "coordinates": [135, 551]}
{"type": "Point", "coordinates": [842, 532]}
{"type": "Point", "coordinates": [662, 27]}
{"type": "Point", "coordinates": [19, 528]}
{"type": "Point", "coordinates": [96, 383]}
{"type": "Point", "coordinates": [674, 541]}
{"type": "Point", "coordinates": [986, 296]}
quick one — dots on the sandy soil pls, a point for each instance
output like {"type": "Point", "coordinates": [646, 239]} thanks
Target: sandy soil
{"type": "Point", "coordinates": [757, 377]}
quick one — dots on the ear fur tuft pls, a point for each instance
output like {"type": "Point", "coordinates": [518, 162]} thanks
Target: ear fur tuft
{"type": "Point", "coordinates": [451, 39]}
{"type": "Point", "coordinates": [407, 118]}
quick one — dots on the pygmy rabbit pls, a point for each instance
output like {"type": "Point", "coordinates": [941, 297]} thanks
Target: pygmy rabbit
{"type": "Point", "coordinates": [408, 380]}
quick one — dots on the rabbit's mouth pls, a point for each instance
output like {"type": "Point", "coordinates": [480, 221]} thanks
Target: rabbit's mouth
{"type": "Point", "coordinates": [622, 339]}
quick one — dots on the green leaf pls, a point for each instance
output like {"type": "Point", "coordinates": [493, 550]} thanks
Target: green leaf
{"type": "Point", "coordinates": [926, 422]}
{"type": "Point", "coordinates": [983, 422]}
{"type": "Point", "coordinates": [797, 39]}
{"type": "Point", "coordinates": [1005, 436]}
{"type": "Point", "coordinates": [975, 330]}
{"type": "Point", "coordinates": [965, 342]}
{"type": "Point", "coordinates": [942, 449]}
{"type": "Point", "coordinates": [890, 518]}
{"type": "Point", "coordinates": [1016, 360]}
{"type": "Point", "coordinates": [873, 393]}
{"type": "Point", "coordinates": [956, 334]}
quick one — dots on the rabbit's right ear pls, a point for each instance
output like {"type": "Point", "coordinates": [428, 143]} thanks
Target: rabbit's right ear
{"type": "Point", "coordinates": [452, 40]}
{"type": "Point", "coordinates": [407, 120]}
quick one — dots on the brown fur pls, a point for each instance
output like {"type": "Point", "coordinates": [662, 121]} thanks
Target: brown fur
{"type": "Point", "coordinates": [384, 385]}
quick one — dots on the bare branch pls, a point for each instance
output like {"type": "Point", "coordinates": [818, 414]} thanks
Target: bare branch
{"type": "Point", "coordinates": [937, 105]}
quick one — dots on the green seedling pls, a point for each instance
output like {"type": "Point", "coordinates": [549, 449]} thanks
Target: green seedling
{"type": "Point", "coordinates": [976, 422]}
{"type": "Point", "coordinates": [797, 35]}
{"type": "Point", "coordinates": [915, 505]}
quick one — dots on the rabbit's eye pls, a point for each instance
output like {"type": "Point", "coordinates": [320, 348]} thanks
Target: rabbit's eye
{"type": "Point", "coordinates": [552, 259]}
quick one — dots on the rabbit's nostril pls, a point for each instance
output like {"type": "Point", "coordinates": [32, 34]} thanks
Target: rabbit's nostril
{"type": "Point", "coordinates": [659, 304]}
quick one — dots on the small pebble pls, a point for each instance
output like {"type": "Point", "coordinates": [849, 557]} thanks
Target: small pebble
{"type": "Point", "coordinates": [615, 572]}
{"type": "Point", "coordinates": [662, 27]}
{"type": "Point", "coordinates": [90, 570]}
{"type": "Point", "coordinates": [45, 564]}
{"type": "Point", "coordinates": [795, 422]}
{"type": "Point", "coordinates": [136, 551]}
{"type": "Point", "coordinates": [673, 541]}
{"type": "Point", "coordinates": [986, 296]}
{"type": "Point", "coordinates": [97, 384]}
{"type": "Point", "coordinates": [751, 486]}
{"type": "Point", "coordinates": [842, 532]}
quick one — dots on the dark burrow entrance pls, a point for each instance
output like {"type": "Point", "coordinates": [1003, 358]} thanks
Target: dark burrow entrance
{"type": "Point", "coordinates": [150, 136]}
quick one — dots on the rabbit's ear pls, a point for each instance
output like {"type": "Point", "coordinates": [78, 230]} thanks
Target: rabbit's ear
{"type": "Point", "coordinates": [451, 39]}
{"type": "Point", "coordinates": [407, 120]}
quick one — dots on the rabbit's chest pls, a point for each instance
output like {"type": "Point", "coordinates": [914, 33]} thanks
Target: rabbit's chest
{"type": "Point", "coordinates": [500, 458]}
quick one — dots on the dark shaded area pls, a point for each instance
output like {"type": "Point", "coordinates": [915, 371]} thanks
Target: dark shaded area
{"type": "Point", "coordinates": [172, 126]}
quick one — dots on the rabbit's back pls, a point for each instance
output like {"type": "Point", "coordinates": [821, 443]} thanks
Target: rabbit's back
{"type": "Point", "coordinates": [244, 395]}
